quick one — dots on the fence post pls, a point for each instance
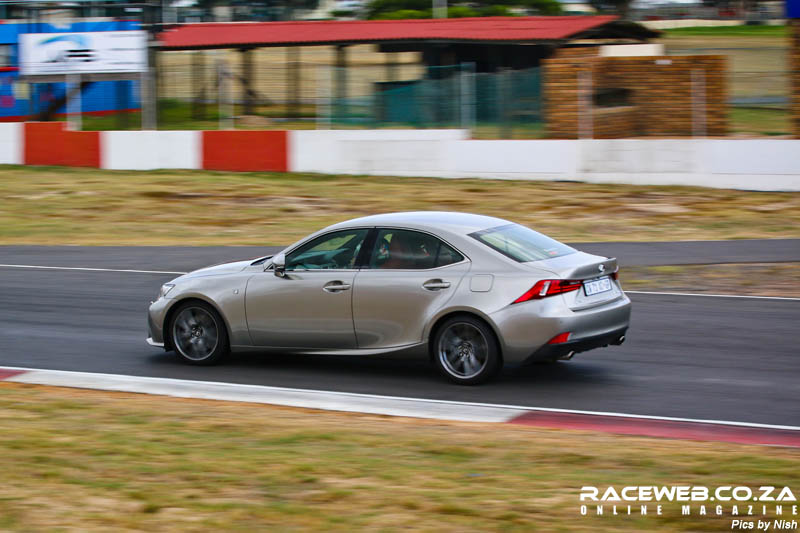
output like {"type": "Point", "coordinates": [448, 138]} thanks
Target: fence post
{"type": "Point", "coordinates": [323, 101]}
{"type": "Point", "coordinates": [502, 96]}
{"type": "Point", "coordinates": [467, 96]}
{"type": "Point", "coordinates": [698, 103]}
{"type": "Point", "coordinates": [225, 97]}
{"type": "Point", "coordinates": [74, 101]}
{"type": "Point", "coordinates": [146, 86]}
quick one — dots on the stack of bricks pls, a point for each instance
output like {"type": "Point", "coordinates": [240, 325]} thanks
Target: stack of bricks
{"type": "Point", "coordinates": [675, 96]}
{"type": "Point", "coordinates": [794, 69]}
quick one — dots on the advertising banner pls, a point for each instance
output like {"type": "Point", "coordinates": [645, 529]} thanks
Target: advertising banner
{"type": "Point", "coordinates": [83, 52]}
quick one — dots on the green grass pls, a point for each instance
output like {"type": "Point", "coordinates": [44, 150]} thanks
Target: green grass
{"type": "Point", "coordinates": [760, 121]}
{"type": "Point", "coordinates": [53, 205]}
{"type": "Point", "coordinates": [94, 461]}
{"type": "Point", "coordinates": [729, 31]}
{"type": "Point", "coordinates": [177, 115]}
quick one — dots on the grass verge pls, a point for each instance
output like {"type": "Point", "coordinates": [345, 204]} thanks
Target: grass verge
{"type": "Point", "coordinates": [93, 461]}
{"type": "Point", "coordinates": [730, 31]}
{"type": "Point", "coordinates": [752, 279]}
{"type": "Point", "coordinates": [50, 205]}
{"type": "Point", "coordinates": [759, 121]}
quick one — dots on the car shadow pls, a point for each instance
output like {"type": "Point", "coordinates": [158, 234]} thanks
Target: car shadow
{"type": "Point", "coordinates": [372, 372]}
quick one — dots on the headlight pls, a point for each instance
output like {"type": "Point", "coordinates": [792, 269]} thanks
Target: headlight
{"type": "Point", "coordinates": [165, 288]}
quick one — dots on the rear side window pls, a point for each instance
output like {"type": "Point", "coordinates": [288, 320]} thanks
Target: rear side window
{"type": "Point", "coordinates": [521, 244]}
{"type": "Point", "coordinates": [411, 250]}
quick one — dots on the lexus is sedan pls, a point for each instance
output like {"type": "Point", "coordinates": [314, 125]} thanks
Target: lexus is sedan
{"type": "Point", "coordinates": [472, 292]}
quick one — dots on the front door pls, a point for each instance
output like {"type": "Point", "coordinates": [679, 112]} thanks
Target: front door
{"type": "Point", "coordinates": [311, 306]}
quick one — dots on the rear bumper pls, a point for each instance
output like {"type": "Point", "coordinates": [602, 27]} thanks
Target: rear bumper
{"type": "Point", "coordinates": [551, 352]}
{"type": "Point", "coordinates": [524, 329]}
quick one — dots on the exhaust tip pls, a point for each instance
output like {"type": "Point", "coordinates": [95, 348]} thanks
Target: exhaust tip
{"type": "Point", "coordinates": [619, 341]}
{"type": "Point", "coordinates": [567, 357]}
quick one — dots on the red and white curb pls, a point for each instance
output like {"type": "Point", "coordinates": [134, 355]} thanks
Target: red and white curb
{"type": "Point", "coordinates": [618, 423]}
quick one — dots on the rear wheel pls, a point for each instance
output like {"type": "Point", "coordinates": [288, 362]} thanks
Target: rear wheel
{"type": "Point", "coordinates": [198, 333]}
{"type": "Point", "coordinates": [465, 351]}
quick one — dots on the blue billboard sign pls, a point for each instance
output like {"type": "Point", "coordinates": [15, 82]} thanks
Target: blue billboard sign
{"type": "Point", "coordinates": [793, 9]}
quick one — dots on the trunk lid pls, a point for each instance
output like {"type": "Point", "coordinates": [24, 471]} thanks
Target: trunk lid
{"type": "Point", "coordinates": [587, 268]}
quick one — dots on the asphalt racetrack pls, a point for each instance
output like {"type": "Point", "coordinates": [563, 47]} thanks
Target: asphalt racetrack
{"type": "Point", "coordinates": [734, 359]}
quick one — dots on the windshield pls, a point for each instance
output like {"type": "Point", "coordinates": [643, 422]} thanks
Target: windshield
{"type": "Point", "coordinates": [521, 244]}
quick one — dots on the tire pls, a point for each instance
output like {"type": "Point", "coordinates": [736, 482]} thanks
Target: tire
{"type": "Point", "coordinates": [198, 334]}
{"type": "Point", "coordinates": [465, 350]}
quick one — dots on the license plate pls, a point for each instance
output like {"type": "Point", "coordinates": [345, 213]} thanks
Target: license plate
{"type": "Point", "coordinates": [596, 286]}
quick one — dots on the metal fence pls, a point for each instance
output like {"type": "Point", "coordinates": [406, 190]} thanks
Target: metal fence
{"type": "Point", "coordinates": [494, 104]}
{"type": "Point", "coordinates": [759, 89]}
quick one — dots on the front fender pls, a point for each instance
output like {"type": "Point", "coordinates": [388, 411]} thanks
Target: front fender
{"type": "Point", "coordinates": [225, 294]}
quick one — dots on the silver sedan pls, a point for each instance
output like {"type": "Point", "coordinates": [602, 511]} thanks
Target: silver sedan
{"type": "Point", "coordinates": [471, 291]}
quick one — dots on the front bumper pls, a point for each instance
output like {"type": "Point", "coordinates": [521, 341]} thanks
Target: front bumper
{"type": "Point", "coordinates": [151, 342]}
{"type": "Point", "coordinates": [155, 317]}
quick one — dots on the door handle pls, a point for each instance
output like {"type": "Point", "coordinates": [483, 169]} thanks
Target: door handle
{"type": "Point", "coordinates": [435, 285]}
{"type": "Point", "coordinates": [335, 286]}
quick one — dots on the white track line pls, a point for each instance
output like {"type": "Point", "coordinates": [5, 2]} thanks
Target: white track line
{"type": "Point", "coordinates": [326, 400]}
{"type": "Point", "coordinates": [86, 269]}
{"type": "Point", "coordinates": [712, 295]}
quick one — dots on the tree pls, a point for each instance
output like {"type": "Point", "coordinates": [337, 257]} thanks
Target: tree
{"type": "Point", "coordinates": [422, 9]}
{"type": "Point", "coordinates": [616, 7]}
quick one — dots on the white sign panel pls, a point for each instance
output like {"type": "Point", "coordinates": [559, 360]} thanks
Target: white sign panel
{"type": "Point", "coordinates": [82, 52]}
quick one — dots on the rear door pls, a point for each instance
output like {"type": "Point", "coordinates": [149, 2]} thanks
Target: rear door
{"type": "Point", "coordinates": [410, 275]}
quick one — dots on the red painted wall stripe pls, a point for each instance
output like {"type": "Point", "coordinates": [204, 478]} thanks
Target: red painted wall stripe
{"type": "Point", "coordinates": [6, 373]}
{"type": "Point", "coordinates": [49, 143]}
{"type": "Point", "coordinates": [247, 151]}
{"type": "Point", "coordinates": [648, 427]}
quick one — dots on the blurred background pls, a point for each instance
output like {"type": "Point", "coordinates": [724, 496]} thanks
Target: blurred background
{"type": "Point", "coordinates": [339, 75]}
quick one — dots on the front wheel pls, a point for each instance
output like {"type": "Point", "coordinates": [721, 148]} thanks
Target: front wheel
{"type": "Point", "coordinates": [198, 333]}
{"type": "Point", "coordinates": [465, 351]}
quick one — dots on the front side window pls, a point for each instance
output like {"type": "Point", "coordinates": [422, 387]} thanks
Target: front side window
{"type": "Point", "coordinates": [521, 244]}
{"type": "Point", "coordinates": [411, 250]}
{"type": "Point", "coordinates": [333, 251]}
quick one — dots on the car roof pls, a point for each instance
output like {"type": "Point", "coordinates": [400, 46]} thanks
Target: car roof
{"type": "Point", "coordinates": [451, 221]}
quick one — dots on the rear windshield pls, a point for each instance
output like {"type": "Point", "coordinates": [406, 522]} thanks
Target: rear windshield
{"type": "Point", "coordinates": [521, 244]}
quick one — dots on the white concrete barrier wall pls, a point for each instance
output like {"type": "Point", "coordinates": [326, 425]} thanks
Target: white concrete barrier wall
{"type": "Point", "coordinates": [537, 160]}
{"type": "Point", "coordinates": [11, 143]}
{"type": "Point", "coordinates": [757, 164]}
{"type": "Point", "coordinates": [348, 151]}
{"type": "Point", "coordinates": [150, 150]}
{"type": "Point", "coordinates": [769, 165]}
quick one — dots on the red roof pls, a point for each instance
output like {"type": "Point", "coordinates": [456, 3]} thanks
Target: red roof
{"type": "Point", "coordinates": [237, 34]}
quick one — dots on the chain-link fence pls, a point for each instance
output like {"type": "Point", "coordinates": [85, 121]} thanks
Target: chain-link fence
{"type": "Point", "coordinates": [286, 89]}
{"type": "Point", "coordinates": [759, 90]}
{"type": "Point", "coordinates": [501, 104]}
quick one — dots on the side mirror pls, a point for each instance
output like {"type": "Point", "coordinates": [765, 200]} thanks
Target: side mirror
{"type": "Point", "coordinates": [279, 265]}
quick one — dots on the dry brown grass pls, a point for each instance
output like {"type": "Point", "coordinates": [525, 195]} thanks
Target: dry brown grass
{"type": "Point", "coordinates": [76, 460]}
{"type": "Point", "coordinates": [85, 206]}
{"type": "Point", "coordinates": [752, 279]}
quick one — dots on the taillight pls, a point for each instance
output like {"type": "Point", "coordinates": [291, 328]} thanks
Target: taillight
{"type": "Point", "coordinates": [549, 287]}
{"type": "Point", "coordinates": [615, 275]}
{"type": "Point", "coordinates": [560, 338]}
